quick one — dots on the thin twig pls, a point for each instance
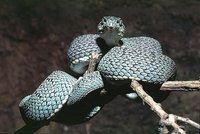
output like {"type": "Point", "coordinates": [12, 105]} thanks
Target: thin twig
{"type": "Point", "coordinates": [92, 62]}
{"type": "Point", "coordinates": [165, 118]}
{"type": "Point", "coordinates": [188, 121]}
{"type": "Point", "coordinates": [181, 85]}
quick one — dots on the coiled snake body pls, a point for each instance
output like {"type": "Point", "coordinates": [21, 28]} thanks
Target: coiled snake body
{"type": "Point", "coordinates": [60, 95]}
{"type": "Point", "coordinates": [138, 58]}
{"type": "Point", "coordinates": [57, 90]}
{"type": "Point", "coordinates": [61, 98]}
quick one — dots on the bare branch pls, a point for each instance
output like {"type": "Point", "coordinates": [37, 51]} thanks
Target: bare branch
{"type": "Point", "coordinates": [92, 62]}
{"type": "Point", "coordinates": [181, 85]}
{"type": "Point", "coordinates": [165, 118]}
{"type": "Point", "coordinates": [188, 121]}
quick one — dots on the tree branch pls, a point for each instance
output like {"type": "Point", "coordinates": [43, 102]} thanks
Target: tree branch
{"type": "Point", "coordinates": [181, 85]}
{"type": "Point", "coordinates": [92, 63]}
{"type": "Point", "coordinates": [165, 118]}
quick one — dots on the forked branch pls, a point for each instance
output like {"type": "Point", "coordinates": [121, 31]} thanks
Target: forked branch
{"type": "Point", "coordinates": [165, 118]}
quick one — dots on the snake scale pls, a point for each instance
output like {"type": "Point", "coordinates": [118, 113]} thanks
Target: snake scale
{"type": "Point", "coordinates": [63, 98]}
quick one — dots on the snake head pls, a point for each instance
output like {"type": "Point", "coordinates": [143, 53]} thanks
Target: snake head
{"type": "Point", "coordinates": [111, 29]}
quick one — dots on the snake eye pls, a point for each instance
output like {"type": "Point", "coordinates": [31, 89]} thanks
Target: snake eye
{"type": "Point", "coordinates": [117, 21]}
{"type": "Point", "coordinates": [104, 20]}
{"type": "Point", "coordinates": [101, 23]}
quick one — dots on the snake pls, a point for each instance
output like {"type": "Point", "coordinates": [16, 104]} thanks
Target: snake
{"type": "Point", "coordinates": [64, 99]}
{"type": "Point", "coordinates": [61, 97]}
{"type": "Point", "coordinates": [125, 59]}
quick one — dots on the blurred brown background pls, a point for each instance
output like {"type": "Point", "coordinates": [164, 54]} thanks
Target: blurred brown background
{"type": "Point", "coordinates": [35, 35]}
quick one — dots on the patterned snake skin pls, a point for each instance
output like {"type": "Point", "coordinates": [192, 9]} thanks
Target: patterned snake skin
{"type": "Point", "coordinates": [80, 52]}
{"type": "Point", "coordinates": [59, 90]}
{"type": "Point", "coordinates": [58, 97]}
{"type": "Point", "coordinates": [143, 44]}
{"type": "Point", "coordinates": [138, 58]}
{"type": "Point", "coordinates": [83, 46]}
{"type": "Point", "coordinates": [122, 63]}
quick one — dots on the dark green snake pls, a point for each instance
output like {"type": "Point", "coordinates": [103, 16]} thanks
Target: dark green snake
{"type": "Point", "coordinates": [125, 59]}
